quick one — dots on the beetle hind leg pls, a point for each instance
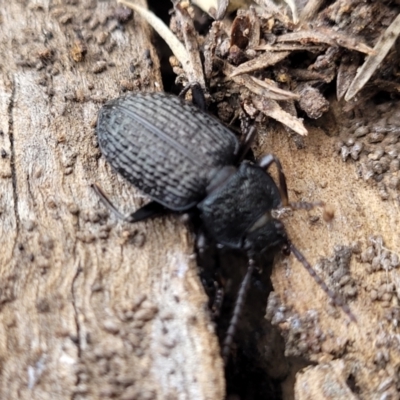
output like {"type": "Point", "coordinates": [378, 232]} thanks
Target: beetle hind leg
{"type": "Point", "coordinates": [149, 210]}
{"type": "Point", "coordinates": [237, 311]}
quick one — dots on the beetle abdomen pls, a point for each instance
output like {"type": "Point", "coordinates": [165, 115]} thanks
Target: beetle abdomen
{"type": "Point", "coordinates": [164, 146]}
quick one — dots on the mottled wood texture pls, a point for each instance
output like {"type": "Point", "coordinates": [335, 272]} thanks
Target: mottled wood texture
{"type": "Point", "coordinates": [369, 350]}
{"type": "Point", "coordinates": [90, 307]}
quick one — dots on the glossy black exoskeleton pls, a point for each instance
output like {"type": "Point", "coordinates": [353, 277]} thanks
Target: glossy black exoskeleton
{"type": "Point", "coordinates": [183, 158]}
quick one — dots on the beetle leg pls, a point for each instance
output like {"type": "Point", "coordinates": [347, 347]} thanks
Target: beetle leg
{"type": "Point", "coordinates": [245, 146]}
{"type": "Point", "coordinates": [244, 286]}
{"type": "Point", "coordinates": [106, 201]}
{"type": "Point", "coordinates": [198, 98]}
{"type": "Point", "coordinates": [151, 209]}
{"type": "Point", "coordinates": [265, 163]}
{"type": "Point", "coordinates": [217, 303]}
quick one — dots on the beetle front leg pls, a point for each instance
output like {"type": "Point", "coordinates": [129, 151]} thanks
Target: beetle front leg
{"type": "Point", "coordinates": [265, 163]}
{"type": "Point", "coordinates": [245, 145]}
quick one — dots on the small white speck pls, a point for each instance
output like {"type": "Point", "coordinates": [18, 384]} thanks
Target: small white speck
{"type": "Point", "coordinates": [67, 359]}
{"type": "Point", "coordinates": [182, 268]}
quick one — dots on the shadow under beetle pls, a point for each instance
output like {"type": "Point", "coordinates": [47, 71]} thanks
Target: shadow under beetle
{"type": "Point", "coordinates": [183, 159]}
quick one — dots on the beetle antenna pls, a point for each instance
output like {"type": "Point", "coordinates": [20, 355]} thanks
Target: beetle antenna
{"type": "Point", "coordinates": [331, 294]}
{"type": "Point", "coordinates": [106, 201]}
{"type": "Point", "coordinates": [244, 286]}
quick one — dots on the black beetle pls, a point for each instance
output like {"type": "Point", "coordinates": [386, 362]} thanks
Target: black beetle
{"type": "Point", "coordinates": [183, 158]}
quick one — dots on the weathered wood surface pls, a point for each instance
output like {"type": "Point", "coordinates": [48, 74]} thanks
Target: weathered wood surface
{"type": "Point", "coordinates": [369, 350]}
{"type": "Point", "coordinates": [90, 307]}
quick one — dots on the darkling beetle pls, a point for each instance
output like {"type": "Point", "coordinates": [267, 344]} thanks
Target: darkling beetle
{"type": "Point", "coordinates": [183, 158]}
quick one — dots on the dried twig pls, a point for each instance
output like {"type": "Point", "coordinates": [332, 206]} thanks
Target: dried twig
{"type": "Point", "coordinates": [254, 36]}
{"type": "Point", "coordinates": [310, 10]}
{"type": "Point", "coordinates": [292, 47]}
{"type": "Point", "coordinates": [293, 8]}
{"type": "Point", "coordinates": [328, 36]}
{"type": "Point", "coordinates": [346, 73]}
{"type": "Point", "coordinates": [372, 62]}
{"type": "Point", "coordinates": [263, 61]}
{"type": "Point", "coordinates": [272, 109]}
{"type": "Point", "coordinates": [177, 48]}
{"type": "Point", "coordinates": [217, 9]}
{"type": "Point", "coordinates": [280, 94]}
{"type": "Point", "coordinates": [195, 71]}
{"type": "Point", "coordinates": [262, 88]}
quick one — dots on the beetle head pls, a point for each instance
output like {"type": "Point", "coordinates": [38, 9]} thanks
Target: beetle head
{"type": "Point", "coordinates": [267, 233]}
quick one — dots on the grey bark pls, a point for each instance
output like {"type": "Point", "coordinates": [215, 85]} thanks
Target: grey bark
{"type": "Point", "coordinates": [90, 307]}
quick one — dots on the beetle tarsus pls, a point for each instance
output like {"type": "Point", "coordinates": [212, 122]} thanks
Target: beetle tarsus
{"type": "Point", "coordinates": [106, 201]}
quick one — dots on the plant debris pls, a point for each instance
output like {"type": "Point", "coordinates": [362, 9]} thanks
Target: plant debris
{"type": "Point", "coordinates": [271, 63]}
{"type": "Point", "coordinates": [372, 62]}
